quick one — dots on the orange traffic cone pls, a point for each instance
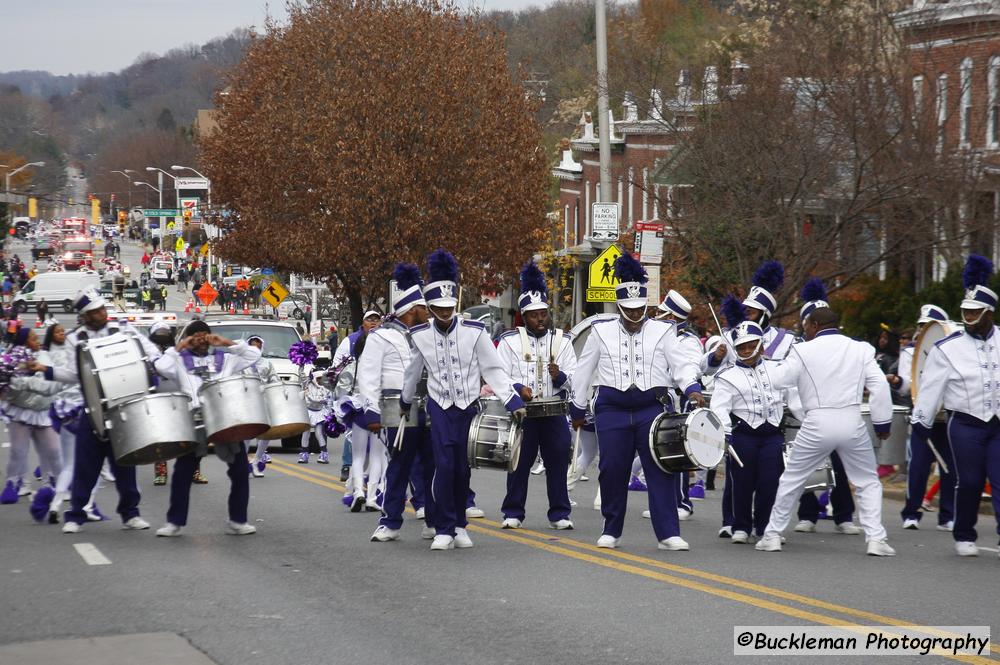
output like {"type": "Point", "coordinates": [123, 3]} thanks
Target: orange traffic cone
{"type": "Point", "coordinates": [38, 324]}
{"type": "Point", "coordinates": [189, 305]}
{"type": "Point", "coordinates": [197, 309]}
{"type": "Point", "coordinates": [246, 310]}
{"type": "Point", "coordinates": [232, 309]}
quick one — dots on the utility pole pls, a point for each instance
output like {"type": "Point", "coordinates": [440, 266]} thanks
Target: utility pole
{"type": "Point", "coordinates": [602, 102]}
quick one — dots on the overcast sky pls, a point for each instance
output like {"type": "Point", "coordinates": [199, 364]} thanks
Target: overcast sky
{"type": "Point", "coordinates": [81, 36]}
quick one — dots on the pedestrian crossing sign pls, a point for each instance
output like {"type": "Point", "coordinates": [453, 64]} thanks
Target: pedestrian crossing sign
{"type": "Point", "coordinates": [601, 280]}
{"type": "Point", "coordinates": [274, 293]}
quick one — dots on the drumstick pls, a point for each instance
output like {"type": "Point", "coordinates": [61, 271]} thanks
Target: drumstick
{"type": "Point", "coordinates": [940, 460]}
{"type": "Point", "coordinates": [397, 443]}
{"type": "Point", "coordinates": [732, 453]}
{"type": "Point", "coordinates": [575, 452]}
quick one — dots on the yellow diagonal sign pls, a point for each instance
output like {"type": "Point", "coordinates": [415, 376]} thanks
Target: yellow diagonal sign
{"type": "Point", "coordinates": [274, 293]}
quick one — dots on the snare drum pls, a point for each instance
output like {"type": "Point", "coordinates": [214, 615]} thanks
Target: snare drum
{"type": "Point", "coordinates": [682, 442]}
{"type": "Point", "coordinates": [893, 449]}
{"type": "Point", "coordinates": [152, 428]}
{"type": "Point", "coordinates": [494, 437]}
{"type": "Point", "coordinates": [544, 407]}
{"type": "Point", "coordinates": [388, 407]}
{"type": "Point", "coordinates": [233, 409]}
{"type": "Point", "coordinates": [822, 477]}
{"type": "Point", "coordinates": [113, 370]}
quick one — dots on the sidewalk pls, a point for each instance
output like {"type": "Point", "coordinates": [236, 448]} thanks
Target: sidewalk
{"type": "Point", "coordinates": [147, 648]}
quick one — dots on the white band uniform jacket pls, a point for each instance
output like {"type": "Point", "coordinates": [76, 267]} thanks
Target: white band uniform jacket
{"type": "Point", "coordinates": [962, 373]}
{"type": "Point", "coordinates": [750, 394]}
{"type": "Point", "coordinates": [382, 365]}
{"type": "Point", "coordinates": [455, 362]}
{"type": "Point", "coordinates": [692, 346]}
{"type": "Point", "coordinates": [824, 370]}
{"type": "Point", "coordinates": [779, 352]}
{"type": "Point", "coordinates": [238, 357]}
{"type": "Point", "coordinates": [904, 369]}
{"type": "Point", "coordinates": [69, 373]}
{"type": "Point", "coordinates": [653, 357]}
{"type": "Point", "coordinates": [524, 370]}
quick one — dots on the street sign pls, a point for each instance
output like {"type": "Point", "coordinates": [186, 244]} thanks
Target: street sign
{"type": "Point", "coordinates": [161, 212]}
{"type": "Point", "coordinates": [207, 294]}
{"type": "Point", "coordinates": [649, 242]}
{"type": "Point", "coordinates": [274, 293]}
{"type": "Point", "coordinates": [204, 250]}
{"type": "Point", "coordinates": [190, 204]}
{"type": "Point", "coordinates": [601, 280]}
{"type": "Point", "coordinates": [653, 285]}
{"type": "Point", "coordinates": [267, 271]}
{"type": "Point", "coordinates": [315, 328]}
{"type": "Point", "coordinates": [170, 226]}
{"type": "Point", "coordinates": [604, 221]}
{"type": "Point", "coordinates": [191, 183]}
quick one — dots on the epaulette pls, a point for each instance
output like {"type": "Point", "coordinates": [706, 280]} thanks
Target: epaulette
{"type": "Point", "coordinates": [474, 324]}
{"type": "Point", "coordinates": [422, 326]}
{"type": "Point", "coordinates": [508, 333]}
{"type": "Point", "coordinates": [954, 335]}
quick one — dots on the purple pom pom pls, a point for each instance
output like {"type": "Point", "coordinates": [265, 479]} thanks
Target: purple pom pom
{"type": "Point", "coordinates": [813, 289]}
{"type": "Point", "coordinates": [407, 275]}
{"type": "Point", "coordinates": [733, 311]}
{"type": "Point", "coordinates": [41, 501]}
{"type": "Point", "coordinates": [532, 279]}
{"type": "Point", "coordinates": [978, 270]}
{"type": "Point", "coordinates": [332, 426]}
{"type": "Point", "coordinates": [627, 269]}
{"type": "Point", "coordinates": [303, 353]}
{"type": "Point", "coordinates": [770, 275]}
{"type": "Point", "coordinates": [442, 266]}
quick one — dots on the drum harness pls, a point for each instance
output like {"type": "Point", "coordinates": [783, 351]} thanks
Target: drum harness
{"type": "Point", "coordinates": [540, 365]}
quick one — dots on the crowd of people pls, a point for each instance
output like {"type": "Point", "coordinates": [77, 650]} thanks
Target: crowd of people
{"type": "Point", "coordinates": [410, 391]}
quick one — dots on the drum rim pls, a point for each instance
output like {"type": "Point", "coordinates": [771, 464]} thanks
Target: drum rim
{"type": "Point", "coordinates": [712, 416]}
{"type": "Point", "coordinates": [84, 348]}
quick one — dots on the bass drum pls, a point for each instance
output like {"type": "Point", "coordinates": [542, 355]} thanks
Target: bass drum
{"type": "Point", "coordinates": [494, 437]}
{"type": "Point", "coordinates": [152, 428]}
{"type": "Point", "coordinates": [687, 441]}
{"type": "Point", "coordinates": [112, 370]}
{"type": "Point", "coordinates": [931, 334]}
{"type": "Point", "coordinates": [581, 331]}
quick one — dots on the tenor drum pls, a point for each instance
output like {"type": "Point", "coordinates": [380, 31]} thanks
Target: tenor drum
{"type": "Point", "coordinates": [682, 442]}
{"type": "Point", "coordinates": [892, 450]}
{"type": "Point", "coordinates": [581, 331]}
{"type": "Point", "coordinates": [287, 414]}
{"type": "Point", "coordinates": [113, 369]}
{"type": "Point", "coordinates": [388, 407]}
{"type": "Point", "coordinates": [544, 407]}
{"type": "Point", "coordinates": [822, 477]}
{"type": "Point", "coordinates": [152, 428]}
{"type": "Point", "coordinates": [931, 334]}
{"type": "Point", "coordinates": [494, 437]}
{"type": "Point", "coordinates": [233, 409]}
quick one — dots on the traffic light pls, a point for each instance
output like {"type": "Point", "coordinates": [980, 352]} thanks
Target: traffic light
{"type": "Point", "coordinates": [121, 216]}
{"type": "Point", "coordinates": [187, 217]}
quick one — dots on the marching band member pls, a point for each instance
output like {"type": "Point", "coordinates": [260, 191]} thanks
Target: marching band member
{"type": "Point", "coordinates": [380, 373]}
{"type": "Point", "coordinates": [631, 361]}
{"type": "Point", "coordinates": [263, 370]}
{"type": "Point", "coordinates": [458, 354]}
{"type": "Point", "coordinates": [541, 362]}
{"type": "Point", "coordinates": [831, 371]}
{"type": "Point", "coordinates": [841, 503]}
{"type": "Point", "coordinates": [962, 372]}
{"type": "Point", "coordinates": [675, 309]}
{"type": "Point", "coordinates": [750, 406]}
{"type": "Point", "coordinates": [190, 363]}
{"type": "Point", "coordinates": [161, 335]}
{"type": "Point", "coordinates": [919, 453]}
{"type": "Point", "coordinates": [91, 450]}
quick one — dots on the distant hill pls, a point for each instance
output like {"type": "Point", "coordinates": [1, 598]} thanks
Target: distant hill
{"type": "Point", "coordinates": [40, 84]}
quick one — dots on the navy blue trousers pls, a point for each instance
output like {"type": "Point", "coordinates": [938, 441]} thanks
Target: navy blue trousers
{"type": "Point", "coordinates": [551, 437]}
{"type": "Point", "coordinates": [683, 488]}
{"type": "Point", "coordinates": [918, 470]}
{"type": "Point", "coordinates": [450, 486]}
{"type": "Point", "coordinates": [407, 465]}
{"type": "Point", "coordinates": [622, 422]}
{"type": "Point", "coordinates": [755, 484]}
{"type": "Point", "coordinates": [90, 454]}
{"type": "Point", "coordinates": [841, 500]}
{"type": "Point", "coordinates": [180, 488]}
{"type": "Point", "coordinates": [418, 496]}
{"type": "Point", "coordinates": [975, 450]}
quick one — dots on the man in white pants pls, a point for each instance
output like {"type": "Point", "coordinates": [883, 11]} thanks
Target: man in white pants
{"type": "Point", "coordinates": [831, 371]}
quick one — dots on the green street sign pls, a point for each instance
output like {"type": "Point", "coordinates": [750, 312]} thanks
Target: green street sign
{"type": "Point", "coordinates": [161, 212]}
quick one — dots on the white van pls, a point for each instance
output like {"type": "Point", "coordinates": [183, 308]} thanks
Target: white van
{"type": "Point", "coordinates": [162, 270]}
{"type": "Point", "coordinates": [55, 288]}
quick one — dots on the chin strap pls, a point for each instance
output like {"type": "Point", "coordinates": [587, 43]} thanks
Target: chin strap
{"type": "Point", "coordinates": [756, 349]}
{"type": "Point", "coordinates": [979, 318]}
{"type": "Point", "coordinates": [625, 316]}
{"type": "Point", "coordinates": [442, 320]}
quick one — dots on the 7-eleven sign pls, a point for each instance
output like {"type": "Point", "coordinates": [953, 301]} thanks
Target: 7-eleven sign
{"type": "Point", "coordinates": [190, 204]}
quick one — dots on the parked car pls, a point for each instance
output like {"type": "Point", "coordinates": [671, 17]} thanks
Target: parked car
{"type": "Point", "coordinates": [42, 250]}
{"type": "Point", "coordinates": [54, 288]}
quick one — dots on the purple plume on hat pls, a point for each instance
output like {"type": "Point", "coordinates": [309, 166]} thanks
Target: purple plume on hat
{"type": "Point", "coordinates": [442, 266]}
{"type": "Point", "coordinates": [407, 275]}
{"type": "Point", "coordinates": [627, 269]}
{"type": "Point", "coordinates": [813, 289]}
{"type": "Point", "coordinates": [733, 311]}
{"type": "Point", "coordinates": [770, 275]}
{"type": "Point", "coordinates": [977, 272]}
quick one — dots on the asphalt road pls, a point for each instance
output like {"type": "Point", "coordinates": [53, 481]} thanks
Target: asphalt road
{"type": "Point", "coordinates": [310, 588]}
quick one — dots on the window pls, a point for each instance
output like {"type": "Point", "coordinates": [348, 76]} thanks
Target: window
{"type": "Point", "coordinates": [942, 108]}
{"type": "Point", "coordinates": [993, 110]}
{"type": "Point", "coordinates": [918, 97]}
{"type": "Point", "coordinates": [965, 119]}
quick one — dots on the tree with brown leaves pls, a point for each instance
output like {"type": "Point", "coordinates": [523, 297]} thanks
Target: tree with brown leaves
{"type": "Point", "coordinates": [368, 132]}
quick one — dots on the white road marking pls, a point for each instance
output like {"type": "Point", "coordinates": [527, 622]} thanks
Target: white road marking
{"type": "Point", "coordinates": [89, 553]}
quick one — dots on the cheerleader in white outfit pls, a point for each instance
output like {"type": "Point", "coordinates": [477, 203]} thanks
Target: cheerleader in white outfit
{"type": "Point", "coordinates": [317, 398]}
{"type": "Point", "coordinates": [264, 370]}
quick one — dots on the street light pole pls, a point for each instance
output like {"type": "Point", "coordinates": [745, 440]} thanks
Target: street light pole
{"type": "Point", "coordinates": [158, 191]}
{"type": "Point", "coordinates": [208, 197]}
{"type": "Point", "coordinates": [129, 179]}
{"type": "Point", "coordinates": [11, 174]}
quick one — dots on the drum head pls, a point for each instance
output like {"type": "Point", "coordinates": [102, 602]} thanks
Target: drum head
{"type": "Point", "coordinates": [112, 370]}
{"type": "Point", "coordinates": [932, 333]}
{"type": "Point", "coordinates": [581, 331]}
{"type": "Point", "coordinates": [704, 438]}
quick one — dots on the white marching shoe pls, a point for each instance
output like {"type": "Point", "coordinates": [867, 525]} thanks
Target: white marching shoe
{"type": "Point", "coordinates": [511, 523]}
{"type": "Point", "coordinates": [72, 527]}
{"type": "Point", "coordinates": [384, 534]}
{"type": "Point", "coordinates": [674, 544]}
{"type": "Point", "coordinates": [646, 514]}
{"type": "Point", "coordinates": [420, 513]}
{"type": "Point", "coordinates": [427, 533]}
{"type": "Point", "coordinates": [726, 532]}
{"type": "Point", "coordinates": [962, 547]}
{"type": "Point", "coordinates": [135, 524]}
{"type": "Point", "coordinates": [683, 514]}
{"type": "Point", "coordinates": [561, 525]}
{"type": "Point", "coordinates": [805, 526]}
{"type": "Point", "coordinates": [880, 548]}
{"type": "Point", "coordinates": [238, 529]}
{"type": "Point", "coordinates": [740, 537]}
{"type": "Point", "coordinates": [168, 530]}
{"type": "Point", "coordinates": [443, 542]}
{"type": "Point", "coordinates": [474, 512]}
{"type": "Point", "coordinates": [768, 543]}
{"type": "Point", "coordinates": [847, 528]}
{"type": "Point", "coordinates": [911, 524]}
{"type": "Point", "coordinates": [462, 540]}
{"type": "Point", "coordinates": [947, 526]}
{"type": "Point", "coordinates": [608, 542]}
